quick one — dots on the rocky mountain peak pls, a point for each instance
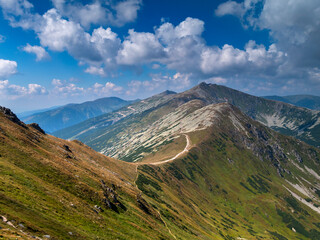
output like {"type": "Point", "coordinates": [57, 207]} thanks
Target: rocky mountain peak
{"type": "Point", "coordinates": [204, 85]}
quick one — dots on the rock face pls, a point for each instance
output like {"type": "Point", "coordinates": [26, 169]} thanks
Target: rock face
{"type": "Point", "coordinates": [110, 199]}
{"type": "Point", "coordinates": [11, 116]}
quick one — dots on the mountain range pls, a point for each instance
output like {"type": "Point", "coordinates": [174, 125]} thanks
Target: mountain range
{"type": "Point", "coordinates": [128, 133]}
{"type": "Point", "coordinates": [68, 115]}
{"type": "Point", "coordinates": [32, 112]}
{"type": "Point", "coordinates": [219, 175]}
{"type": "Point", "coordinates": [306, 101]}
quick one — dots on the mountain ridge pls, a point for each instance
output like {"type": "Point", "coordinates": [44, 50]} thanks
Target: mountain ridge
{"type": "Point", "coordinates": [285, 118]}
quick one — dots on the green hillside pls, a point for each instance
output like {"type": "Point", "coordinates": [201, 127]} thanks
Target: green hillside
{"type": "Point", "coordinates": [65, 190]}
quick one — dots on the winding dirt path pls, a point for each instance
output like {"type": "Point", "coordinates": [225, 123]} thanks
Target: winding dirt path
{"type": "Point", "coordinates": [185, 150]}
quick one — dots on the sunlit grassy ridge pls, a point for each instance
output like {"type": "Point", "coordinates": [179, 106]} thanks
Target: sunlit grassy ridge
{"type": "Point", "coordinates": [51, 187]}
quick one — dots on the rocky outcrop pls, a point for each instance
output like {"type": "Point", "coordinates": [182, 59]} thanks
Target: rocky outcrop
{"type": "Point", "coordinates": [11, 116]}
{"type": "Point", "coordinates": [67, 148]}
{"type": "Point", "coordinates": [110, 199]}
{"type": "Point", "coordinates": [37, 127]}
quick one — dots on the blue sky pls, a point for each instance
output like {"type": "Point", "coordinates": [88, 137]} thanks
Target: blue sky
{"type": "Point", "coordinates": [54, 52]}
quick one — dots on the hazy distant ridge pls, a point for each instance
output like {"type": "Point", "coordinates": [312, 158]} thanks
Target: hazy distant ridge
{"type": "Point", "coordinates": [71, 114]}
{"type": "Point", "coordinates": [306, 101]}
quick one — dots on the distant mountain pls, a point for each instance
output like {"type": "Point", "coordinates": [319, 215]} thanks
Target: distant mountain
{"type": "Point", "coordinates": [71, 114]}
{"type": "Point", "coordinates": [306, 101]}
{"type": "Point", "coordinates": [204, 171]}
{"type": "Point", "coordinates": [111, 118]}
{"type": "Point", "coordinates": [32, 112]}
{"type": "Point", "coordinates": [102, 132]}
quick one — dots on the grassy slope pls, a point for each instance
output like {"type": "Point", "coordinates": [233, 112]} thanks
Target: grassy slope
{"type": "Point", "coordinates": [52, 191]}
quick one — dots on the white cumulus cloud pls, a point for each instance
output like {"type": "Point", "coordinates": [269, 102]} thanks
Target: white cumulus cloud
{"type": "Point", "coordinates": [126, 11]}
{"type": "Point", "coordinates": [40, 52]}
{"type": "Point", "coordinates": [59, 34]}
{"type": "Point", "coordinates": [19, 13]}
{"type": "Point", "coordinates": [167, 33]}
{"type": "Point", "coordinates": [254, 59]}
{"type": "Point", "coordinates": [95, 71]}
{"type": "Point", "coordinates": [296, 28]}
{"type": "Point", "coordinates": [294, 52]}
{"type": "Point", "coordinates": [16, 7]}
{"type": "Point", "coordinates": [67, 89]}
{"type": "Point", "coordinates": [7, 68]}
{"type": "Point", "coordinates": [99, 12]}
{"type": "Point", "coordinates": [106, 89]}
{"type": "Point", "coordinates": [294, 25]}
{"type": "Point", "coordinates": [140, 48]}
{"type": "Point", "coordinates": [230, 8]}
{"type": "Point", "coordinates": [34, 88]}
{"type": "Point", "coordinates": [12, 91]}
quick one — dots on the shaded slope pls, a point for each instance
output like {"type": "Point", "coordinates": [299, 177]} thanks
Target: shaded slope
{"type": "Point", "coordinates": [71, 114]}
